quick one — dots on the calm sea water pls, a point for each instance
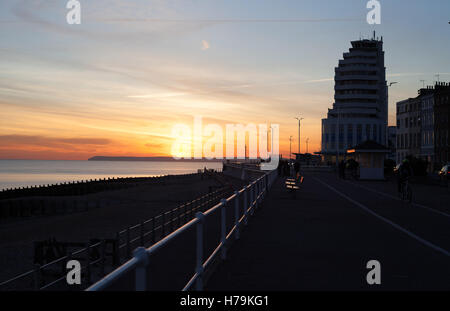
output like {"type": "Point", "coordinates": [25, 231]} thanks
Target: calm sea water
{"type": "Point", "coordinates": [18, 173]}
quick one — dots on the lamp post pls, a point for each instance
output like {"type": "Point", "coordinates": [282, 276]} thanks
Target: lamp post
{"type": "Point", "coordinates": [290, 148]}
{"type": "Point", "coordinates": [307, 140]}
{"type": "Point", "coordinates": [299, 120]}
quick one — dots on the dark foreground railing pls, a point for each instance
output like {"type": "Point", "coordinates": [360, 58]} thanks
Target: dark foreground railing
{"type": "Point", "coordinates": [97, 258]}
{"type": "Point", "coordinates": [143, 266]}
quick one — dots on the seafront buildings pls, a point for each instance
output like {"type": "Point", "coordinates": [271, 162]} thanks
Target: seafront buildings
{"type": "Point", "coordinates": [423, 126]}
{"type": "Point", "coordinates": [408, 128]}
{"type": "Point", "coordinates": [359, 112]}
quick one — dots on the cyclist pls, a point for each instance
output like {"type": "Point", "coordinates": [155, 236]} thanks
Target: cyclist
{"type": "Point", "coordinates": [404, 172]}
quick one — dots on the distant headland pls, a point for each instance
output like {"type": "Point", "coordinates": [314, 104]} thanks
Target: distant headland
{"type": "Point", "coordinates": [160, 159]}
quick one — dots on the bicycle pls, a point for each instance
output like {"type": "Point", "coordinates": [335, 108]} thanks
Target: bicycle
{"type": "Point", "coordinates": [406, 191]}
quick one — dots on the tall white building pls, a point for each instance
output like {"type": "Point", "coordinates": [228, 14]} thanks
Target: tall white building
{"type": "Point", "coordinates": [360, 110]}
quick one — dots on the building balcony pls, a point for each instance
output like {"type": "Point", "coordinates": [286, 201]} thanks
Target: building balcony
{"type": "Point", "coordinates": [364, 69]}
{"type": "Point", "coordinates": [356, 96]}
{"type": "Point", "coordinates": [360, 53]}
{"type": "Point", "coordinates": [356, 87]}
{"type": "Point", "coordinates": [356, 77]}
{"type": "Point", "coordinates": [357, 107]}
{"type": "Point", "coordinates": [357, 61]}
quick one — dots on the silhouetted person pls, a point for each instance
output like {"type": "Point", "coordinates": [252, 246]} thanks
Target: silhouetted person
{"type": "Point", "coordinates": [404, 172]}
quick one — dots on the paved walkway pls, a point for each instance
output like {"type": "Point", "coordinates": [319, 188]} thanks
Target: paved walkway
{"type": "Point", "coordinates": [323, 240]}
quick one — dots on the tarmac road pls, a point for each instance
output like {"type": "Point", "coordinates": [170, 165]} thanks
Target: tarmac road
{"type": "Point", "coordinates": [323, 239]}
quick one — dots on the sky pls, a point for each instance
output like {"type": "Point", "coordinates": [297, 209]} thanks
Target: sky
{"type": "Point", "coordinates": [117, 84]}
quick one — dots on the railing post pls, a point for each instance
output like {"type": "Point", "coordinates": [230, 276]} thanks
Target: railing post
{"type": "Point", "coordinates": [128, 243]}
{"type": "Point", "coordinates": [163, 225]}
{"type": "Point", "coordinates": [266, 184]}
{"type": "Point", "coordinates": [141, 270]}
{"type": "Point", "coordinates": [153, 230]}
{"type": "Point", "coordinates": [37, 277]}
{"type": "Point", "coordinates": [261, 190]}
{"type": "Point", "coordinates": [117, 250]}
{"type": "Point", "coordinates": [255, 194]}
{"type": "Point", "coordinates": [223, 228]}
{"type": "Point", "coordinates": [88, 263]}
{"type": "Point", "coordinates": [245, 205]}
{"type": "Point", "coordinates": [199, 264]}
{"type": "Point", "coordinates": [236, 214]}
{"type": "Point", "coordinates": [252, 198]}
{"type": "Point", "coordinates": [102, 256]}
{"type": "Point", "coordinates": [142, 233]}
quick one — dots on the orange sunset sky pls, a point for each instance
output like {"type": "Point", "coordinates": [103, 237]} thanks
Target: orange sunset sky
{"type": "Point", "coordinates": [116, 84]}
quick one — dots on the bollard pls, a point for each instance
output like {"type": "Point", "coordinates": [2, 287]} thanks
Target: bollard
{"type": "Point", "coordinates": [199, 260]}
{"type": "Point", "coordinates": [223, 228]}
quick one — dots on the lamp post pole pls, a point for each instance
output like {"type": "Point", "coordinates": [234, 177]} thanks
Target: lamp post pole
{"type": "Point", "coordinates": [299, 120]}
{"type": "Point", "coordinates": [290, 148]}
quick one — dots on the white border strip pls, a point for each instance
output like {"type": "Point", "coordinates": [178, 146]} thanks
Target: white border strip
{"type": "Point", "coordinates": [368, 210]}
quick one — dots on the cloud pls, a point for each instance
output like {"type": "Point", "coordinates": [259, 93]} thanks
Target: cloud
{"type": "Point", "coordinates": [161, 95]}
{"type": "Point", "coordinates": [205, 45]}
{"type": "Point", "coordinates": [50, 142]}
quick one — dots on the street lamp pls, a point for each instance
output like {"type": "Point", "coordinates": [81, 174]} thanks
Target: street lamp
{"type": "Point", "coordinates": [307, 140]}
{"type": "Point", "coordinates": [299, 120]}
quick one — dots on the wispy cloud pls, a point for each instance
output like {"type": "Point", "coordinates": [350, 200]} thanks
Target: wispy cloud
{"type": "Point", "coordinates": [205, 45]}
{"type": "Point", "coordinates": [161, 95]}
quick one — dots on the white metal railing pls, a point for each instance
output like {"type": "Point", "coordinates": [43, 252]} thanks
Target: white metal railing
{"type": "Point", "coordinates": [251, 195]}
{"type": "Point", "coordinates": [150, 230]}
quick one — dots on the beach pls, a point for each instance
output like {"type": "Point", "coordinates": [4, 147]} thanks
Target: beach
{"type": "Point", "coordinates": [125, 208]}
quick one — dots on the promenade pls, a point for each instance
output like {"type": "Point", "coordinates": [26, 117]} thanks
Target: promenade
{"type": "Point", "coordinates": [323, 239]}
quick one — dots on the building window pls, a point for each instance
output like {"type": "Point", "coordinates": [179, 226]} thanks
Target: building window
{"type": "Point", "coordinates": [358, 133]}
{"type": "Point", "coordinates": [350, 135]}
{"type": "Point", "coordinates": [333, 136]}
{"type": "Point", "coordinates": [375, 132]}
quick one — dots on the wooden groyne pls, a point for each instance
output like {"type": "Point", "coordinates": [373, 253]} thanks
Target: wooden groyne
{"type": "Point", "coordinates": [64, 198]}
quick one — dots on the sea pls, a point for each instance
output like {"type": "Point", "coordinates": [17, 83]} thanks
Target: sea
{"type": "Point", "coordinates": [22, 173]}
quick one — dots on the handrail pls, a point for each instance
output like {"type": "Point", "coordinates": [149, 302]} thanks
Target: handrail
{"type": "Point", "coordinates": [195, 204]}
{"type": "Point", "coordinates": [252, 197]}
